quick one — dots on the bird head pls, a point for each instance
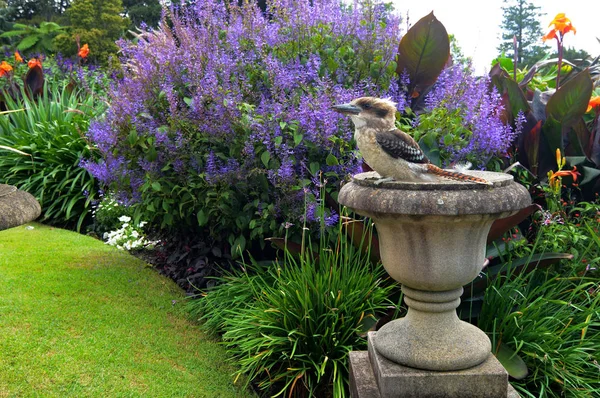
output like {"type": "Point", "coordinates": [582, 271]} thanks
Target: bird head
{"type": "Point", "coordinates": [377, 113]}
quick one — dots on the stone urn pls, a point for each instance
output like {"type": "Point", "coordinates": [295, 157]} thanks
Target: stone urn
{"type": "Point", "coordinates": [432, 239]}
{"type": "Point", "coordinates": [16, 207]}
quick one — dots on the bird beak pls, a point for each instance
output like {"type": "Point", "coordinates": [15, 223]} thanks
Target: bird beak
{"type": "Point", "coordinates": [347, 109]}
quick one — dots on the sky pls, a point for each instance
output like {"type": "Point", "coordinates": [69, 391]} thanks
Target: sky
{"type": "Point", "coordinates": [476, 23]}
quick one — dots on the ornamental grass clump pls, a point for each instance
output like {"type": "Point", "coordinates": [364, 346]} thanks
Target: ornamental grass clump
{"type": "Point", "coordinates": [51, 129]}
{"type": "Point", "coordinates": [223, 115]}
{"type": "Point", "coordinates": [553, 322]}
{"type": "Point", "coordinates": [291, 325]}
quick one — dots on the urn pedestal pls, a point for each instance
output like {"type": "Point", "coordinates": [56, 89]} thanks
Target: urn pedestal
{"type": "Point", "coordinates": [432, 238]}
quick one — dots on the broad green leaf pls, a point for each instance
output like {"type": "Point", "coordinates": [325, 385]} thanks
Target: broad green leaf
{"type": "Point", "coordinates": [505, 63]}
{"type": "Point", "coordinates": [28, 42]}
{"type": "Point", "coordinates": [13, 33]}
{"type": "Point", "coordinates": [570, 101]}
{"type": "Point", "coordinates": [156, 186]}
{"type": "Point", "coordinates": [574, 147]}
{"type": "Point", "coordinates": [431, 151]}
{"type": "Point", "coordinates": [423, 51]}
{"type": "Point", "coordinates": [238, 246]}
{"type": "Point", "coordinates": [297, 139]}
{"type": "Point", "coordinates": [265, 157]}
{"type": "Point", "coordinates": [314, 168]}
{"type": "Point", "coordinates": [151, 155]}
{"type": "Point", "coordinates": [589, 174]}
{"type": "Point", "coordinates": [517, 100]}
{"type": "Point", "coordinates": [512, 362]}
{"type": "Point", "coordinates": [582, 136]}
{"type": "Point", "coordinates": [552, 133]}
{"type": "Point", "coordinates": [331, 160]}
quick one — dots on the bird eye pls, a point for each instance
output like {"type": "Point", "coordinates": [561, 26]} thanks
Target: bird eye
{"type": "Point", "coordinates": [367, 106]}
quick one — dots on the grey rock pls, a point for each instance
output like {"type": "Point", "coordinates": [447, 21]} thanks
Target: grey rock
{"type": "Point", "coordinates": [17, 207]}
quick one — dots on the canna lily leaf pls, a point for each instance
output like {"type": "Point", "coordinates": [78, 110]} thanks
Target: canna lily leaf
{"type": "Point", "coordinates": [570, 101]}
{"type": "Point", "coordinates": [503, 225]}
{"type": "Point", "coordinates": [423, 51]}
{"type": "Point", "coordinates": [531, 144]}
{"type": "Point", "coordinates": [552, 135]}
{"type": "Point", "coordinates": [34, 81]}
{"type": "Point", "coordinates": [516, 98]}
{"type": "Point", "coordinates": [579, 138]}
{"type": "Point", "coordinates": [589, 175]}
{"type": "Point", "coordinates": [527, 78]}
{"type": "Point", "coordinates": [512, 362]}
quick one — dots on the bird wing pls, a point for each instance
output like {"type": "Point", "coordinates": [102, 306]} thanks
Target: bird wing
{"type": "Point", "coordinates": [398, 144]}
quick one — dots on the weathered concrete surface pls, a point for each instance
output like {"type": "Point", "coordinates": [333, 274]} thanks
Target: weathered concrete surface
{"type": "Point", "coordinates": [443, 198]}
{"type": "Point", "coordinates": [432, 338]}
{"type": "Point", "coordinates": [362, 379]}
{"type": "Point", "coordinates": [16, 207]}
{"type": "Point", "coordinates": [482, 381]}
{"type": "Point", "coordinates": [486, 380]}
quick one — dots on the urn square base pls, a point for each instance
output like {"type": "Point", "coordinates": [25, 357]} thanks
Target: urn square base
{"type": "Point", "coordinates": [373, 376]}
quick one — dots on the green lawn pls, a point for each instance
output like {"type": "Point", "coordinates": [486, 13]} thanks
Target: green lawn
{"type": "Point", "coordinates": [79, 318]}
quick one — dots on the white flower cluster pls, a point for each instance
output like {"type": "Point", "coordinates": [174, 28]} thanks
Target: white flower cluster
{"type": "Point", "coordinates": [129, 237]}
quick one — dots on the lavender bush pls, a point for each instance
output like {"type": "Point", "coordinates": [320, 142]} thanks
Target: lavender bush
{"type": "Point", "coordinates": [222, 121]}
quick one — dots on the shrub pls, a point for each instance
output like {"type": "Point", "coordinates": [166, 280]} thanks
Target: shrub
{"type": "Point", "coordinates": [98, 23]}
{"type": "Point", "coordinates": [52, 130]}
{"type": "Point", "coordinates": [223, 116]}
{"type": "Point", "coordinates": [462, 120]}
{"type": "Point", "coordinates": [291, 326]}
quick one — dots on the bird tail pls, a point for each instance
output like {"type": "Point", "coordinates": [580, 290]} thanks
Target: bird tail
{"type": "Point", "coordinates": [455, 175]}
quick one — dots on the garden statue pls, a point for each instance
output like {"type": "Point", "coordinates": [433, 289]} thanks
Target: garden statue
{"type": "Point", "coordinates": [432, 234]}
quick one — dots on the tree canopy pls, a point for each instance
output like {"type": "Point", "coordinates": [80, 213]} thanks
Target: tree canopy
{"type": "Point", "coordinates": [521, 20]}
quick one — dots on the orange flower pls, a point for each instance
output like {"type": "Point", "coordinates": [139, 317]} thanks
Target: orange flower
{"type": "Point", "coordinates": [562, 25]}
{"type": "Point", "coordinates": [84, 51]}
{"type": "Point", "coordinates": [565, 173]}
{"type": "Point", "coordinates": [549, 36]}
{"type": "Point", "coordinates": [5, 68]}
{"type": "Point", "coordinates": [18, 57]}
{"type": "Point", "coordinates": [33, 62]}
{"type": "Point", "coordinates": [594, 103]}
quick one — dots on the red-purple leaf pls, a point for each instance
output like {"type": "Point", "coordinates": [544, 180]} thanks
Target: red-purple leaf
{"type": "Point", "coordinates": [423, 51]}
{"type": "Point", "coordinates": [503, 225]}
{"type": "Point", "coordinates": [531, 143]}
{"type": "Point", "coordinates": [34, 81]}
{"type": "Point", "coordinates": [570, 101]}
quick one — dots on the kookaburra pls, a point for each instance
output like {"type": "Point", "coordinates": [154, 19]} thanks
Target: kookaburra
{"type": "Point", "coordinates": [392, 153]}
